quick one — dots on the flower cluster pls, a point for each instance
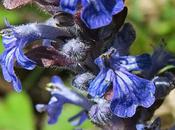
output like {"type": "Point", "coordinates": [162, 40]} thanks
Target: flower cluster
{"type": "Point", "coordinates": [112, 85]}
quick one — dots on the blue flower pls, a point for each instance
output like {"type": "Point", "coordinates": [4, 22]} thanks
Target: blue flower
{"type": "Point", "coordinates": [13, 43]}
{"type": "Point", "coordinates": [95, 13]}
{"type": "Point", "coordinates": [60, 96]}
{"type": "Point", "coordinates": [129, 90]}
{"type": "Point", "coordinates": [14, 40]}
{"type": "Point", "coordinates": [53, 108]}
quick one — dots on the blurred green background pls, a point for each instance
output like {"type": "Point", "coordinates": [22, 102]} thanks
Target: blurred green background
{"type": "Point", "coordinates": [152, 19]}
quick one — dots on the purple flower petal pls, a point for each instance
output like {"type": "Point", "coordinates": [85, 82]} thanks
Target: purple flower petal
{"type": "Point", "coordinates": [69, 5]}
{"type": "Point", "coordinates": [131, 91]}
{"type": "Point", "coordinates": [54, 109]}
{"type": "Point", "coordinates": [118, 7]}
{"type": "Point", "coordinates": [95, 13]}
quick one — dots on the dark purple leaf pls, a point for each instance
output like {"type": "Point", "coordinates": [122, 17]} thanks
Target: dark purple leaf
{"type": "Point", "coordinates": [49, 56]}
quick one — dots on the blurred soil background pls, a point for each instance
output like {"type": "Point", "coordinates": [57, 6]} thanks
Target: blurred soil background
{"type": "Point", "coordinates": [153, 20]}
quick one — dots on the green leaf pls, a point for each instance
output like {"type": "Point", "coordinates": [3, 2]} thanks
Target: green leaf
{"type": "Point", "coordinates": [12, 16]}
{"type": "Point", "coordinates": [63, 124]}
{"type": "Point", "coordinates": [1, 46]}
{"type": "Point", "coordinates": [161, 27]}
{"type": "Point", "coordinates": [16, 113]}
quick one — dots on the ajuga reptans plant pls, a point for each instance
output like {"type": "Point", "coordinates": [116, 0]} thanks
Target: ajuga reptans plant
{"type": "Point", "coordinates": [91, 39]}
